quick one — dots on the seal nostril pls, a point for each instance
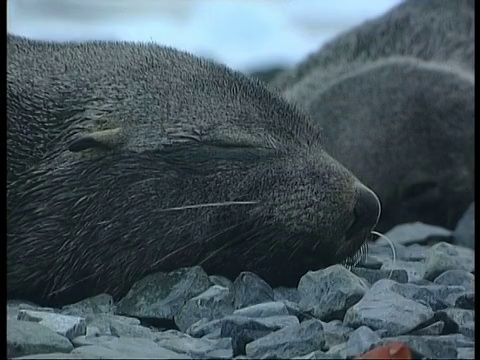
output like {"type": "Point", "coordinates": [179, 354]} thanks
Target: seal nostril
{"type": "Point", "coordinates": [366, 211]}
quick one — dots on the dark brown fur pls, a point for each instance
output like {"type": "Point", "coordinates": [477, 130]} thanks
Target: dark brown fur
{"type": "Point", "coordinates": [107, 140]}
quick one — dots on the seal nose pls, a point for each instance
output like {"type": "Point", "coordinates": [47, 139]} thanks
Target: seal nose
{"type": "Point", "coordinates": [366, 211]}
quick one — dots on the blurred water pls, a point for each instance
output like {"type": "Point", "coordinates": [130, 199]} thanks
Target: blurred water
{"type": "Point", "coordinates": [244, 34]}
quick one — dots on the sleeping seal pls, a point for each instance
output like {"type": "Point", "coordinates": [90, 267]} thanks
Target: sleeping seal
{"type": "Point", "coordinates": [404, 127]}
{"type": "Point", "coordinates": [125, 159]}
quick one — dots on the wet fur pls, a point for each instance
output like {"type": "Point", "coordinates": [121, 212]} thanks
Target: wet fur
{"type": "Point", "coordinates": [170, 130]}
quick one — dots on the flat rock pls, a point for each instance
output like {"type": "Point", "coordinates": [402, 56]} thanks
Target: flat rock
{"type": "Point", "coordinates": [464, 233]}
{"type": "Point", "coordinates": [457, 277]}
{"type": "Point", "coordinates": [27, 338]}
{"type": "Point", "coordinates": [212, 329]}
{"type": "Point", "coordinates": [214, 303]}
{"type": "Point", "coordinates": [57, 355]}
{"type": "Point", "coordinates": [64, 325]}
{"type": "Point", "coordinates": [14, 306]}
{"type": "Point", "coordinates": [102, 324]}
{"type": "Point", "coordinates": [383, 309]}
{"type": "Point", "coordinates": [271, 308]}
{"type": "Point", "coordinates": [329, 292]}
{"type": "Point", "coordinates": [121, 330]}
{"type": "Point", "coordinates": [195, 348]}
{"type": "Point", "coordinates": [437, 297]}
{"type": "Point", "coordinates": [99, 304]}
{"type": "Point", "coordinates": [128, 348]}
{"type": "Point", "coordinates": [162, 295]}
{"type": "Point", "coordinates": [243, 330]}
{"type": "Point", "coordinates": [250, 289]}
{"type": "Point", "coordinates": [444, 257]}
{"type": "Point", "coordinates": [415, 232]}
{"type": "Point", "coordinates": [288, 342]}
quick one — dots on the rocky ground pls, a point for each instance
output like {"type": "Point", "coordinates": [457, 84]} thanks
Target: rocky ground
{"type": "Point", "coordinates": [425, 299]}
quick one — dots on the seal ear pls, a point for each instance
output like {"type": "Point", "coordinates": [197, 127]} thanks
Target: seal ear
{"type": "Point", "coordinates": [105, 139]}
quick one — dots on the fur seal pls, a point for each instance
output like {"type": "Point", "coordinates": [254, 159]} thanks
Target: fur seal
{"type": "Point", "coordinates": [439, 30]}
{"type": "Point", "coordinates": [404, 127]}
{"type": "Point", "coordinates": [125, 159]}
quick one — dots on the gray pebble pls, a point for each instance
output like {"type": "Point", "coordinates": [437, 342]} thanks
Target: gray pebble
{"type": "Point", "coordinates": [99, 304]}
{"type": "Point", "coordinates": [242, 330]}
{"type": "Point", "coordinates": [214, 303]}
{"type": "Point", "coordinates": [103, 322]}
{"type": "Point", "coordinates": [382, 308]}
{"type": "Point", "coordinates": [456, 277]}
{"type": "Point", "coordinates": [443, 257]}
{"type": "Point", "coordinates": [127, 348]}
{"type": "Point", "coordinates": [195, 348]}
{"type": "Point", "coordinates": [161, 295]}
{"type": "Point", "coordinates": [27, 338]}
{"type": "Point", "coordinates": [250, 289]}
{"type": "Point", "coordinates": [329, 292]}
{"type": "Point", "coordinates": [271, 308]}
{"type": "Point", "coordinates": [57, 355]}
{"type": "Point", "coordinates": [288, 342]}
{"type": "Point", "coordinates": [121, 329]}
{"type": "Point", "coordinates": [64, 325]}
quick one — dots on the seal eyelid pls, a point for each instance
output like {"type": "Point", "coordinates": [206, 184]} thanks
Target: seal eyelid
{"type": "Point", "coordinates": [105, 139]}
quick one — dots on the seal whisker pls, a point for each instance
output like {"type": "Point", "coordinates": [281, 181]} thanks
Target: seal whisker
{"type": "Point", "coordinates": [263, 239]}
{"type": "Point", "coordinates": [197, 243]}
{"type": "Point", "coordinates": [196, 206]}
{"type": "Point", "coordinates": [392, 246]}
{"type": "Point", "coordinates": [295, 249]}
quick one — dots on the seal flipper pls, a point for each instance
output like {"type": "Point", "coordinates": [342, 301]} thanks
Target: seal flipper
{"type": "Point", "coordinates": [106, 139]}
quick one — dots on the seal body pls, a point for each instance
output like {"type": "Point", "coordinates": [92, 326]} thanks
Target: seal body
{"type": "Point", "coordinates": [395, 98]}
{"type": "Point", "coordinates": [442, 31]}
{"type": "Point", "coordinates": [405, 127]}
{"type": "Point", "coordinates": [125, 159]}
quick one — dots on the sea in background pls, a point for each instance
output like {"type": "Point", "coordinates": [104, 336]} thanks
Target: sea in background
{"type": "Point", "coordinates": [244, 34]}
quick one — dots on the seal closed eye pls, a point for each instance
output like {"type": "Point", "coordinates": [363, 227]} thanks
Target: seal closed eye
{"type": "Point", "coordinates": [141, 158]}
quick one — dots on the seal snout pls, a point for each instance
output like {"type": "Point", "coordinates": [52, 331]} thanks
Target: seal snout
{"type": "Point", "coordinates": [366, 211]}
